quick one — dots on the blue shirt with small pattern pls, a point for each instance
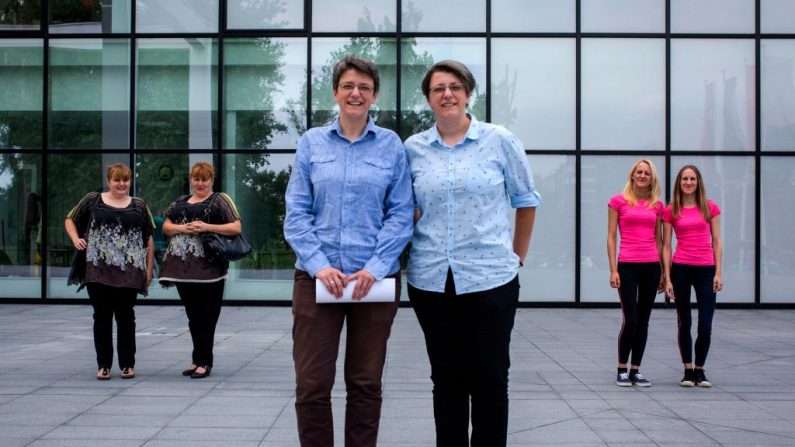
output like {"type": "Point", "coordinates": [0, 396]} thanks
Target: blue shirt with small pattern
{"type": "Point", "coordinates": [463, 195]}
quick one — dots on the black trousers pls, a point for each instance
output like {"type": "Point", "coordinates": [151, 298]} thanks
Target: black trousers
{"type": "Point", "coordinates": [202, 303]}
{"type": "Point", "coordinates": [639, 282]}
{"type": "Point", "coordinates": [108, 302]}
{"type": "Point", "coordinates": [468, 338]}
{"type": "Point", "coordinates": [700, 278]}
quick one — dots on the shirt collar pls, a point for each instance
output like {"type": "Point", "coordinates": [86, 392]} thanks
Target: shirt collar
{"type": "Point", "coordinates": [369, 128]}
{"type": "Point", "coordinates": [473, 132]}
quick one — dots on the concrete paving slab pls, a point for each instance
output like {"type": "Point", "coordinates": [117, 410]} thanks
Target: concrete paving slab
{"type": "Point", "coordinates": [562, 382]}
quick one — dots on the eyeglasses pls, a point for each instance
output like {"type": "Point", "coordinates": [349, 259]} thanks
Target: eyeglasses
{"type": "Point", "coordinates": [364, 89]}
{"type": "Point", "coordinates": [439, 90]}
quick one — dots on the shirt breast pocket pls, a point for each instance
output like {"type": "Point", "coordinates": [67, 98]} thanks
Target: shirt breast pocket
{"type": "Point", "coordinates": [376, 172]}
{"type": "Point", "coordinates": [322, 167]}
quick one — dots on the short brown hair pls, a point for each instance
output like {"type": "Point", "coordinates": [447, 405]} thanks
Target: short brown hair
{"type": "Point", "coordinates": [119, 171]}
{"type": "Point", "coordinates": [360, 64]}
{"type": "Point", "coordinates": [203, 170]}
{"type": "Point", "coordinates": [456, 69]}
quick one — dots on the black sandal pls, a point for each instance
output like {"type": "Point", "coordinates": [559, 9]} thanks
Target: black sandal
{"type": "Point", "coordinates": [201, 375]}
{"type": "Point", "coordinates": [127, 373]}
{"type": "Point", "coordinates": [190, 370]}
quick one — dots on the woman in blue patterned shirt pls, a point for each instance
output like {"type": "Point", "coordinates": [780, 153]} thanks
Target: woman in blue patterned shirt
{"type": "Point", "coordinates": [463, 265]}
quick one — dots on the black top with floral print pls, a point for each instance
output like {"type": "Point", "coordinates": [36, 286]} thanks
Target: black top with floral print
{"type": "Point", "coordinates": [184, 260]}
{"type": "Point", "coordinates": [117, 241]}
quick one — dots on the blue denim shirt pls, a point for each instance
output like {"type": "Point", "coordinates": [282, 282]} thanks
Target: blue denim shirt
{"type": "Point", "coordinates": [349, 204]}
{"type": "Point", "coordinates": [463, 194]}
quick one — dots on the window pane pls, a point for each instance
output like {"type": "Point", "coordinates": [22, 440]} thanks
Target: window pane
{"type": "Point", "coordinates": [20, 211]}
{"type": "Point", "coordinates": [159, 180]}
{"type": "Point", "coordinates": [89, 94]}
{"type": "Point", "coordinates": [777, 237]}
{"type": "Point", "coordinates": [20, 15]}
{"type": "Point", "coordinates": [623, 94]}
{"type": "Point", "coordinates": [417, 55]}
{"type": "Point", "coordinates": [729, 183]}
{"type": "Point", "coordinates": [177, 88]}
{"type": "Point", "coordinates": [536, 105]}
{"type": "Point", "coordinates": [354, 15]}
{"type": "Point", "coordinates": [712, 16]}
{"type": "Point", "coordinates": [90, 16]}
{"type": "Point", "coordinates": [602, 178]}
{"type": "Point", "coordinates": [778, 16]}
{"type": "Point", "coordinates": [445, 16]}
{"type": "Point", "coordinates": [536, 16]}
{"type": "Point", "coordinates": [264, 100]}
{"type": "Point", "coordinates": [245, 14]}
{"type": "Point", "coordinates": [257, 183]}
{"type": "Point", "coordinates": [712, 94]}
{"type": "Point", "coordinates": [327, 52]}
{"type": "Point", "coordinates": [638, 16]}
{"type": "Point", "coordinates": [176, 16]}
{"type": "Point", "coordinates": [778, 95]}
{"type": "Point", "coordinates": [21, 93]}
{"type": "Point", "coordinates": [70, 177]}
{"type": "Point", "coordinates": [549, 267]}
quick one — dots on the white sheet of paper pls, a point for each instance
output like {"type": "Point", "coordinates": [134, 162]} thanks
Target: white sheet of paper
{"type": "Point", "coordinates": [382, 291]}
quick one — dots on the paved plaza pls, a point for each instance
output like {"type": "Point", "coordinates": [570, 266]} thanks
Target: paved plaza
{"type": "Point", "coordinates": [562, 382]}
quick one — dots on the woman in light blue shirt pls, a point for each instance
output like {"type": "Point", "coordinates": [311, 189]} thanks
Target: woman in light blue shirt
{"type": "Point", "coordinates": [463, 265]}
{"type": "Point", "coordinates": [349, 209]}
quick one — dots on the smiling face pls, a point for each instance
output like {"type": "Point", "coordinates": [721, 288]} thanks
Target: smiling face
{"type": "Point", "coordinates": [688, 182]}
{"type": "Point", "coordinates": [641, 178]}
{"type": "Point", "coordinates": [447, 96]}
{"type": "Point", "coordinates": [354, 94]}
{"type": "Point", "coordinates": [201, 187]}
{"type": "Point", "coordinates": [119, 186]}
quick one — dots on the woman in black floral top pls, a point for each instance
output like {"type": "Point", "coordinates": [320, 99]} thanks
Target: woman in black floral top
{"type": "Point", "coordinates": [113, 235]}
{"type": "Point", "coordinates": [199, 281]}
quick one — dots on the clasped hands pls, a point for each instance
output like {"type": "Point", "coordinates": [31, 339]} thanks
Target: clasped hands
{"type": "Point", "coordinates": [335, 281]}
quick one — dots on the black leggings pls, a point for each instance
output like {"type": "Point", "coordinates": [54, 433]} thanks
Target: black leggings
{"type": "Point", "coordinates": [639, 283]}
{"type": "Point", "coordinates": [203, 306]}
{"type": "Point", "coordinates": [683, 277]}
{"type": "Point", "coordinates": [108, 302]}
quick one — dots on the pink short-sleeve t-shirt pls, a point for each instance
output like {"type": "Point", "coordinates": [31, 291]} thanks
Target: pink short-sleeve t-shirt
{"type": "Point", "coordinates": [636, 228]}
{"type": "Point", "coordinates": [693, 234]}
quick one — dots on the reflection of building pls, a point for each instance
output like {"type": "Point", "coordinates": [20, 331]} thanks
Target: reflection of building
{"type": "Point", "coordinates": [167, 82]}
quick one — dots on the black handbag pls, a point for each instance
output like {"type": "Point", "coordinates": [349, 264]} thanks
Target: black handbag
{"type": "Point", "coordinates": [220, 247]}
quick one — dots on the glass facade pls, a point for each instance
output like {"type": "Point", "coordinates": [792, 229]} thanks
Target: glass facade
{"type": "Point", "coordinates": [588, 86]}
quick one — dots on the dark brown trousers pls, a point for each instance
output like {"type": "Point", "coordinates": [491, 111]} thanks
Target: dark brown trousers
{"type": "Point", "coordinates": [316, 339]}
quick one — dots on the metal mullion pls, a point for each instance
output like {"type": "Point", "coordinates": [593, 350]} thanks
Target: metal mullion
{"type": "Point", "coordinates": [308, 26]}
{"type": "Point", "coordinates": [667, 103]}
{"type": "Point", "coordinates": [398, 65]}
{"type": "Point", "coordinates": [578, 154]}
{"type": "Point", "coordinates": [488, 61]}
{"type": "Point", "coordinates": [45, 9]}
{"type": "Point", "coordinates": [758, 158]}
{"type": "Point", "coordinates": [219, 107]}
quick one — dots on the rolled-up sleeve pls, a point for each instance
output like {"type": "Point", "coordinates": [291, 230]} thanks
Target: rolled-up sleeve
{"type": "Point", "coordinates": [518, 176]}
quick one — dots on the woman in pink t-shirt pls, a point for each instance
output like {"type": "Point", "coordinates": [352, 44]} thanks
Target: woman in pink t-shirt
{"type": "Point", "coordinates": [636, 273]}
{"type": "Point", "coordinates": [696, 264]}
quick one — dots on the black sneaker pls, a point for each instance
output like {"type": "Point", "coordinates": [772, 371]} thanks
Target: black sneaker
{"type": "Point", "coordinates": [689, 379]}
{"type": "Point", "coordinates": [701, 379]}
{"type": "Point", "coordinates": [622, 379]}
{"type": "Point", "coordinates": [640, 380]}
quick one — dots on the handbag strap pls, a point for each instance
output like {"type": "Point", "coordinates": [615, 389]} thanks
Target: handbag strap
{"type": "Point", "coordinates": [209, 207]}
